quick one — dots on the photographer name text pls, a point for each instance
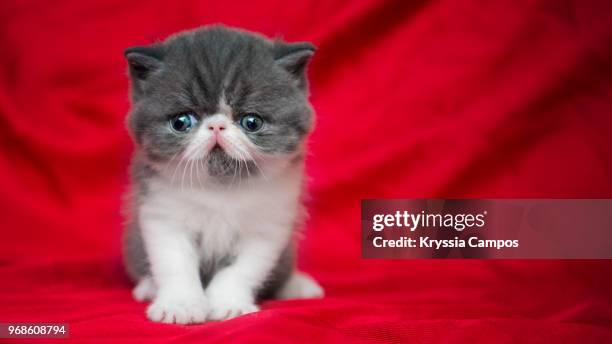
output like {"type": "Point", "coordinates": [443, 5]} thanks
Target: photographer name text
{"type": "Point", "coordinates": [422, 222]}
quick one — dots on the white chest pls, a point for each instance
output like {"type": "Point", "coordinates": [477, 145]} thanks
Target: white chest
{"type": "Point", "coordinates": [221, 217]}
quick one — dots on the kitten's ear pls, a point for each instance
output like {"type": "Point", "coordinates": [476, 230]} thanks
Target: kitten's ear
{"type": "Point", "coordinates": [143, 60]}
{"type": "Point", "coordinates": [294, 57]}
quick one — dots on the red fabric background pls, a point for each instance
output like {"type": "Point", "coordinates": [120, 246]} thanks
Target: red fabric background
{"type": "Point", "coordinates": [414, 99]}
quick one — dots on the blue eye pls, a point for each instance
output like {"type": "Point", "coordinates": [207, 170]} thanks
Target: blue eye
{"type": "Point", "coordinates": [183, 123]}
{"type": "Point", "coordinates": [251, 122]}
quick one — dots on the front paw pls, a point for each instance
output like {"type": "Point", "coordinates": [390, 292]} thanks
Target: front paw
{"type": "Point", "coordinates": [178, 308]}
{"type": "Point", "coordinates": [224, 305]}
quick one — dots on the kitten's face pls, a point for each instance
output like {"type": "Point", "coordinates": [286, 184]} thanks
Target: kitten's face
{"type": "Point", "coordinates": [219, 103]}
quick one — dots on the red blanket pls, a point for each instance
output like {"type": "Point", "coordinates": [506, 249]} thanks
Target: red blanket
{"type": "Point", "coordinates": [414, 99]}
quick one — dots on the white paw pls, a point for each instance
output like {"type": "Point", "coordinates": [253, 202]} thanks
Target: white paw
{"type": "Point", "coordinates": [300, 286]}
{"type": "Point", "coordinates": [145, 290]}
{"type": "Point", "coordinates": [179, 309]}
{"type": "Point", "coordinates": [224, 305]}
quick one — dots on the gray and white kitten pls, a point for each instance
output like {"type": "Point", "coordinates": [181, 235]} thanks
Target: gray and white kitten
{"type": "Point", "coordinates": [219, 117]}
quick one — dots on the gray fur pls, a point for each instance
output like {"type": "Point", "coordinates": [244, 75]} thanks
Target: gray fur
{"type": "Point", "coordinates": [190, 72]}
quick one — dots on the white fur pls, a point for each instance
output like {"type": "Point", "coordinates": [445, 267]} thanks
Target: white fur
{"type": "Point", "coordinates": [251, 219]}
{"type": "Point", "coordinates": [300, 286]}
{"type": "Point", "coordinates": [145, 290]}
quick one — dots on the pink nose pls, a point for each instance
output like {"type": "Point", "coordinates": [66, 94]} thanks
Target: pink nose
{"type": "Point", "coordinates": [216, 127]}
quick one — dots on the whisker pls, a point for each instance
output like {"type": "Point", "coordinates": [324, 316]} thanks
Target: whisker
{"type": "Point", "coordinates": [233, 174]}
{"type": "Point", "coordinates": [256, 165]}
{"type": "Point", "coordinates": [184, 172]}
{"type": "Point", "coordinates": [176, 168]}
{"type": "Point", "coordinates": [198, 172]}
{"type": "Point", "coordinates": [169, 165]}
{"type": "Point", "coordinates": [170, 162]}
{"type": "Point", "coordinates": [246, 165]}
{"type": "Point", "coordinates": [250, 158]}
{"type": "Point", "coordinates": [240, 172]}
{"type": "Point", "coordinates": [191, 161]}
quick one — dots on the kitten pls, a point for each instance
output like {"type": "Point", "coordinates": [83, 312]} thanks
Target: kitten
{"type": "Point", "coordinates": [219, 117]}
